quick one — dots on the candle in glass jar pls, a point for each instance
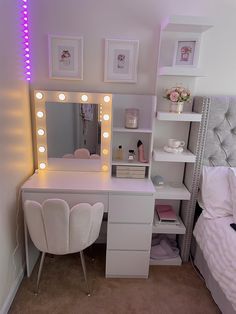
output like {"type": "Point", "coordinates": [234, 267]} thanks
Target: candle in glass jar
{"type": "Point", "coordinates": [131, 118]}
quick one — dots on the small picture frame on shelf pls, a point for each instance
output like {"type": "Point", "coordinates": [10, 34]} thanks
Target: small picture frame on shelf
{"type": "Point", "coordinates": [186, 52]}
{"type": "Point", "coordinates": [121, 60]}
{"type": "Point", "coordinates": [65, 57]}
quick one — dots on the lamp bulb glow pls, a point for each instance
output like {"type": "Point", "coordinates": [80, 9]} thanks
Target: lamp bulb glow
{"type": "Point", "coordinates": [41, 132]}
{"type": "Point", "coordinates": [39, 95]}
{"type": "Point", "coordinates": [40, 114]}
{"type": "Point", "coordinates": [42, 165]}
{"type": "Point", "coordinates": [42, 149]}
{"type": "Point", "coordinates": [62, 96]}
{"type": "Point", "coordinates": [104, 167]}
{"type": "Point", "coordinates": [106, 117]}
{"type": "Point", "coordinates": [105, 134]}
{"type": "Point", "coordinates": [107, 98]}
{"type": "Point", "coordinates": [105, 151]}
{"type": "Point", "coordinates": [84, 97]}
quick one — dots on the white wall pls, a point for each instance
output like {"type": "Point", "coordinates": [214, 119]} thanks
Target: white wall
{"type": "Point", "coordinates": [15, 147]}
{"type": "Point", "coordinates": [133, 19]}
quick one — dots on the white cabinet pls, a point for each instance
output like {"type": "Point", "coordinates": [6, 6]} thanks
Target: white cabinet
{"type": "Point", "coordinates": [129, 233]}
{"type": "Point", "coordinates": [128, 138]}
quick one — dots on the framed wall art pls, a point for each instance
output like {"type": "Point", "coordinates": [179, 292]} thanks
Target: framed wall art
{"type": "Point", "coordinates": [65, 57]}
{"type": "Point", "coordinates": [186, 53]}
{"type": "Point", "coordinates": [121, 60]}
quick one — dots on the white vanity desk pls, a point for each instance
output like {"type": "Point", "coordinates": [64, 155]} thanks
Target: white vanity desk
{"type": "Point", "coordinates": [130, 207]}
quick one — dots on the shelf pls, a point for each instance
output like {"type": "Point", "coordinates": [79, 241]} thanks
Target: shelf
{"type": "Point", "coordinates": [169, 228]}
{"type": "Point", "coordinates": [181, 71]}
{"type": "Point", "coordinates": [172, 191]}
{"type": "Point", "coordinates": [184, 116]}
{"type": "Point", "coordinates": [189, 24]}
{"type": "Point", "coordinates": [185, 156]}
{"type": "Point", "coordinates": [129, 163]}
{"type": "Point", "coordinates": [140, 130]}
{"type": "Point", "coordinates": [170, 261]}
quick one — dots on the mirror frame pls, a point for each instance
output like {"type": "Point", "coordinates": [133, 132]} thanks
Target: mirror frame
{"type": "Point", "coordinates": [105, 108]}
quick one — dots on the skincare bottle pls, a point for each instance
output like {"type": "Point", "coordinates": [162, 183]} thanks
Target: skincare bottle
{"type": "Point", "coordinates": [119, 153]}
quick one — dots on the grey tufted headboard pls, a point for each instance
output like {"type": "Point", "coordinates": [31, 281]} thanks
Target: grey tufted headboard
{"type": "Point", "coordinates": [220, 142]}
{"type": "Point", "coordinates": [216, 146]}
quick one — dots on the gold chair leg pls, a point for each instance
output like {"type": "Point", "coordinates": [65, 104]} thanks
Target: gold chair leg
{"type": "Point", "coordinates": [85, 272]}
{"type": "Point", "coordinates": [40, 272]}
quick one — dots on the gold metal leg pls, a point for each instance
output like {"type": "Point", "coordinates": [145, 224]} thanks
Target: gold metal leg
{"type": "Point", "coordinates": [85, 272]}
{"type": "Point", "coordinates": [40, 271]}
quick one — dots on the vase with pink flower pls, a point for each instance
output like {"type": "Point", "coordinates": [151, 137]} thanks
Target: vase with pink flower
{"type": "Point", "coordinates": [178, 96]}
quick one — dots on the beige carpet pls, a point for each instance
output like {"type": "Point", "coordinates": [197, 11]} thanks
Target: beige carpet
{"type": "Point", "coordinates": [169, 289]}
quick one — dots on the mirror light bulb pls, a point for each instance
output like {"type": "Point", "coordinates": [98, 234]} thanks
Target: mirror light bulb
{"type": "Point", "coordinates": [42, 165]}
{"type": "Point", "coordinates": [105, 134]}
{"type": "Point", "coordinates": [84, 97]}
{"type": "Point", "coordinates": [39, 95]}
{"type": "Point", "coordinates": [106, 98]}
{"type": "Point", "coordinates": [40, 114]}
{"type": "Point", "coordinates": [105, 151]}
{"type": "Point", "coordinates": [106, 117]}
{"type": "Point", "coordinates": [104, 167]}
{"type": "Point", "coordinates": [42, 149]}
{"type": "Point", "coordinates": [41, 132]}
{"type": "Point", "coordinates": [62, 97]}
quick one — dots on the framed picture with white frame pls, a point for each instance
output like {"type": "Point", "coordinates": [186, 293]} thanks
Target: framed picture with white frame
{"type": "Point", "coordinates": [121, 60]}
{"type": "Point", "coordinates": [65, 57]}
{"type": "Point", "coordinates": [186, 52]}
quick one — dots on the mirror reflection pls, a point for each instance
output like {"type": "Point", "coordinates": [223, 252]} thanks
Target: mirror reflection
{"type": "Point", "coordinates": [73, 130]}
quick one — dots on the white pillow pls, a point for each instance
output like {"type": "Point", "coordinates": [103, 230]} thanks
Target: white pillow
{"type": "Point", "coordinates": [232, 184]}
{"type": "Point", "coordinates": [215, 196]}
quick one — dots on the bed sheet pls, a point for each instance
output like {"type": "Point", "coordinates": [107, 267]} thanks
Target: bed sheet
{"type": "Point", "coordinates": [217, 241]}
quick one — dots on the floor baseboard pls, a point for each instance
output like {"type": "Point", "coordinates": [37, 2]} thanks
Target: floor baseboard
{"type": "Point", "coordinates": [11, 295]}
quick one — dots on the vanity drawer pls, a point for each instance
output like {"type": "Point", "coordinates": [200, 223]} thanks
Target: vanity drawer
{"type": "Point", "coordinates": [71, 198]}
{"type": "Point", "coordinates": [127, 264]}
{"type": "Point", "coordinates": [129, 236]}
{"type": "Point", "coordinates": [131, 208]}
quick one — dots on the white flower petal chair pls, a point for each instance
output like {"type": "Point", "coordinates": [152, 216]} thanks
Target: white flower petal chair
{"type": "Point", "coordinates": [55, 228]}
{"type": "Point", "coordinates": [82, 153]}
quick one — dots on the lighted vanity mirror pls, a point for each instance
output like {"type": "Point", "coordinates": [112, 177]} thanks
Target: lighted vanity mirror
{"type": "Point", "coordinates": [73, 130]}
{"type": "Point", "coordinates": [72, 127]}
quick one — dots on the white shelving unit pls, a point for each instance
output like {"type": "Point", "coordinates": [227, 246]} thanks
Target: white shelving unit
{"type": "Point", "coordinates": [128, 138]}
{"type": "Point", "coordinates": [176, 261]}
{"type": "Point", "coordinates": [172, 191]}
{"type": "Point", "coordinates": [184, 116]}
{"type": "Point", "coordinates": [180, 27]}
{"type": "Point", "coordinates": [175, 167]}
{"type": "Point", "coordinates": [125, 130]}
{"type": "Point", "coordinates": [160, 155]}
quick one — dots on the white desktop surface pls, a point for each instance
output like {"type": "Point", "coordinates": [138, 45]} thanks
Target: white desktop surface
{"type": "Point", "coordinates": [71, 182]}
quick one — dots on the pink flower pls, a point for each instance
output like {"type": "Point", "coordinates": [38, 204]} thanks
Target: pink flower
{"type": "Point", "coordinates": [174, 96]}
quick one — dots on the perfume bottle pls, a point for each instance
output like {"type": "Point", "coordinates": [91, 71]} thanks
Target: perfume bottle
{"type": "Point", "coordinates": [131, 155]}
{"type": "Point", "coordinates": [140, 147]}
{"type": "Point", "coordinates": [119, 153]}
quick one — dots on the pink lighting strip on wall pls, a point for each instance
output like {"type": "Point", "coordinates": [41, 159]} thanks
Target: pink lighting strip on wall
{"type": "Point", "coordinates": [25, 30]}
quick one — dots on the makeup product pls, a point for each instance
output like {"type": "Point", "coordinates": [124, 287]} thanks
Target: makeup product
{"type": "Point", "coordinates": [141, 157]}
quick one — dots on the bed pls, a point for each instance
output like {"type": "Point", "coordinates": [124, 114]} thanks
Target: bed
{"type": "Point", "coordinates": [215, 247]}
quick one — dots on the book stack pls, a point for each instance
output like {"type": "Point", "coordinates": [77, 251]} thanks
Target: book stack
{"type": "Point", "coordinates": [165, 214]}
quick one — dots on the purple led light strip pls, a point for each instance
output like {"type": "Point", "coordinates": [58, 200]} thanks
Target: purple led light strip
{"type": "Point", "coordinates": [25, 31]}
